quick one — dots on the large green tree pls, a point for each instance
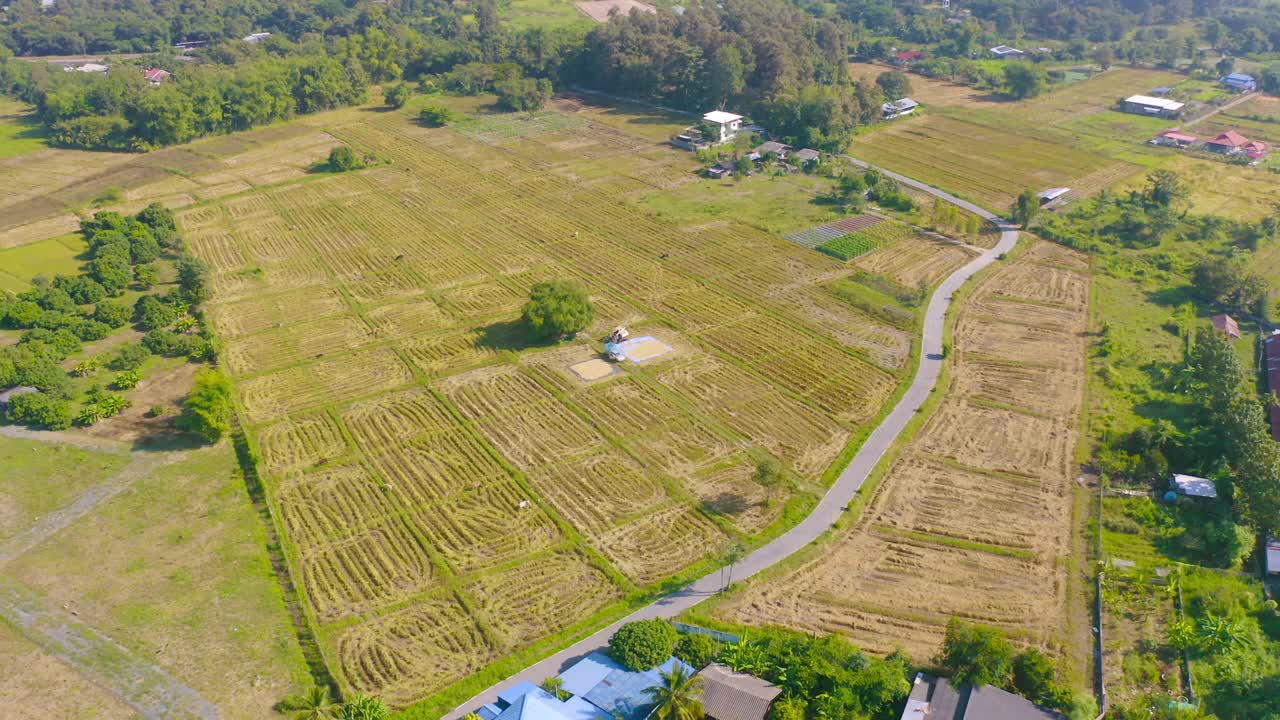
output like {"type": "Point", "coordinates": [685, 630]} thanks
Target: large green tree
{"type": "Point", "coordinates": [643, 644]}
{"type": "Point", "coordinates": [1024, 80]}
{"type": "Point", "coordinates": [976, 654]}
{"type": "Point", "coordinates": [207, 411]}
{"type": "Point", "coordinates": [558, 308]}
{"type": "Point", "coordinates": [1025, 208]}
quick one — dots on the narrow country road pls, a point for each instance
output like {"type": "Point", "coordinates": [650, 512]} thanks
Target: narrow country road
{"type": "Point", "coordinates": [837, 498]}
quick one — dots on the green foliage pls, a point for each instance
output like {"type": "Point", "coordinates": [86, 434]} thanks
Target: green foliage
{"type": "Point", "coordinates": [1024, 80]}
{"type": "Point", "coordinates": [193, 279]}
{"type": "Point", "coordinates": [558, 308]}
{"type": "Point", "coordinates": [129, 356]}
{"type": "Point", "coordinates": [1025, 208]}
{"type": "Point", "coordinates": [397, 95]}
{"type": "Point", "coordinates": [207, 410]}
{"type": "Point", "coordinates": [895, 84]}
{"type": "Point", "coordinates": [435, 116]}
{"type": "Point", "coordinates": [643, 644]}
{"type": "Point", "coordinates": [127, 380]}
{"type": "Point", "coordinates": [152, 313]}
{"type": "Point", "coordinates": [698, 649]}
{"type": "Point", "coordinates": [1035, 678]}
{"type": "Point", "coordinates": [523, 94]}
{"type": "Point", "coordinates": [850, 246]}
{"type": "Point", "coordinates": [555, 686]}
{"type": "Point", "coordinates": [677, 697]}
{"type": "Point", "coordinates": [343, 159]}
{"type": "Point", "coordinates": [314, 704]}
{"type": "Point", "coordinates": [40, 410]}
{"type": "Point", "coordinates": [1229, 282]}
{"type": "Point", "coordinates": [976, 654]}
{"type": "Point", "coordinates": [365, 707]}
{"type": "Point", "coordinates": [788, 707]}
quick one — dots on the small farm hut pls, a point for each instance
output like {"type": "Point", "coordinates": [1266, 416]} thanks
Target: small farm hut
{"type": "Point", "coordinates": [1048, 196]}
{"type": "Point", "coordinates": [1226, 325]}
{"type": "Point", "coordinates": [1193, 486]}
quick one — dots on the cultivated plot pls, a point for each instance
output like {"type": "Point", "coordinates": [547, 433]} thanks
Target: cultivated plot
{"type": "Point", "coordinates": [973, 519]}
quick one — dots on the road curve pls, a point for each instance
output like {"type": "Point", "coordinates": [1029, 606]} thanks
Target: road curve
{"type": "Point", "coordinates": [836, 499]}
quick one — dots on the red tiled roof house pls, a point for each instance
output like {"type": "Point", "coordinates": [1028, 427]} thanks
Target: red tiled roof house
{"type": "Point", "coordinates": [1228, 143]}
{"type": "Point", "coordinates": [1226, 325]}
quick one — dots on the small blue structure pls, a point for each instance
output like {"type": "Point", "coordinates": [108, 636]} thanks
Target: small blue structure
{"type": "Point", "coordinates": [1240, 82]}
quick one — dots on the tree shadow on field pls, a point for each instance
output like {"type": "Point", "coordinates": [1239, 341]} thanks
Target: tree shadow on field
{"type": "Point", "coordinates": [726, 504]}
{"type": "Point", "coordinates": [511, 335]}
{"type": "Point", "coordinates": [1172, 296]}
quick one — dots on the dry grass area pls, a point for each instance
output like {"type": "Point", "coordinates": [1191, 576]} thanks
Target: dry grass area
{"type": "Point", "coordinates": [46, 189]}
{"type": "Point", "coordinates": [927, 91]}
{"type": "Point", "coordinates": [417, 450]}
{"type": "Point", "coordinates": [46, 684]}
{"type": "Point", "coordinates": [974, 517]}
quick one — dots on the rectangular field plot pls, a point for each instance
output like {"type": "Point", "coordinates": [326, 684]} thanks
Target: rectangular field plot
{"type": "Point", "coordinates": [643, 549]}
{"type": "Point", "coordinates": [915, 261]}
{"type": "Point", "coordinates": [974, 516]}
{"type": "Point", "coordinates": [989, 164]}
{"type": "Point", "coordinates": [416, 651]}
{"type": "Point", "coordinates": [547, 593]}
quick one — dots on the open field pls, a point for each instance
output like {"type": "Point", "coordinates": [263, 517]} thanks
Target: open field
{"type": "Point", "coordinates": [55, 256]}
{"type": "Point", "coordinates": [974, 517]}
{"type": "Point", "coordinates": [173, 568]}
{"type": "Point", "coordinates": [18, 134]}
{"type": "Point", "coordinates": [46, 189]}
{"type": "Point", "coordinates": [420, 453]}
{"type": "Point", "coordinates": [991, 150]}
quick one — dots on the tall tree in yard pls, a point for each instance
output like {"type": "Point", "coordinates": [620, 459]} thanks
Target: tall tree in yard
{"type": "Point", "coordinates": [895, 84]}
{"type": "Point", "coordinates": [558, 308]}
{"type": "Point", "coordinates": [726, 75]}
{"type": "Point", "coordinates": [678, 697]}
{"type": "Point", "coordinates": [207, 410]}
{"type": "Point", "coordinates": [976, 654]}
{"type": "Point", "coordinates": [1025, 208]}
{"type": "Point", "coordinates": [1024, 80]}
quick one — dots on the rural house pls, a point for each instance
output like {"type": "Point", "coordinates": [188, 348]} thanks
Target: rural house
{"type": "Point", "coordinates": [898, 108]}
{"type": "Point", "coordinates": [1147, 105]}
{"type": "Point", "coordinates": [1004, 51]}
{"type": "Point", "coordinates": [1226, 325]}
{"type": "Point", "coordinates": [906, 57]}
{"type": "Point", "coordinates": [1239, 82]}
{"type": "Point", "coordinates": [1193, 486]}
{"type": "Point", "coordinates": [1228, 143]}
{"type": "Point", "coordinates": [1254, 149]}
{"type": "Point", "coordinates": [933, 698]}
{"type": "Point", "coordinates": [804, 156]}
{"type": "Point", "coordinates": [724, 168]}
{"type": "Point", "coordinates": [1174, 138]}
{"type": "Point", "coordinates": [730, 695]}
{"type": "Point", "coordinates": [776, 148]}
{"type": "Point", "coordinates": [729, 124]}
{"type": "Point", "coordinates": [1048, 196]}
{"type": "Point", "coordinates": [155, 76]}
{"type": "Point", "coordinates": [89, 67]}
{"type": "Point", "coordinates": [599, 689]}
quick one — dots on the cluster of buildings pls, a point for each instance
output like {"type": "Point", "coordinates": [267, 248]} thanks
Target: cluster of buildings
{"type": "Point", "coordinates": [154, 76]}
{"type": "Point", "coordinates": [598, 688]}
{"type": "Point", "coordinates": [725, 127]}
{"type": "Point", "coordinates": [1230, 143]}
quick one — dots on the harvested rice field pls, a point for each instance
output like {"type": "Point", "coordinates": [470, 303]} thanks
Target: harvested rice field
{"type": "Point", "coordinates": [974, 517]}
{"type": "Point", "coordinates": [451, 494]}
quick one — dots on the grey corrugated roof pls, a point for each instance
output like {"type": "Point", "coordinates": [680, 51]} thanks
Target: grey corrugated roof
{"type": "Point", "coordinates": [729, 695]}
{"type": "Point", "coordinates": [989, 703]}
{"type": "Point", "coordinates": [934, 698]}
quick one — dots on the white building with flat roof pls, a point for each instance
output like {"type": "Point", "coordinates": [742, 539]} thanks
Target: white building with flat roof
{"type": "Point", "coordinates": [729, 123]}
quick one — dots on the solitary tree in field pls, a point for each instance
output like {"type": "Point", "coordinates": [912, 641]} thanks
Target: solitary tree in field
{"type": "Point", "coordinates": [314, 704]}
{"type": "Point", "coordinates": [207, 410]}
{"type": "Point", "coordinates": [678, 697]}
{"type": "Point", "coordinates": [769, 476]}
{"type": "Point", "coordinates": [895, 84]}
{"type": "Point", "coordinates": [343, 158]}
{"type": "Point", "coordinates": [435, 116]}
{"type": "Point", "coordinates": [397, 95]}
{"type": "Point", "coordinates": [1104, 57]}
{"type": "Point", "coordinates": [1024, 80]}
{"type": "Point", "coordinates": [558, 308]}
{"type": "Point", "coordinates": [1025, 208]}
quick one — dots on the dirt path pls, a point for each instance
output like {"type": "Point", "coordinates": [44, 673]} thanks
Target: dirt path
{"type": "Point", "coordinates": [1221, 108]}
{"type": "Point", "coordinates": [84, 442]}
{"type": "Point", "coordinates": [837, 498]}
{"type": "Point", "coordinates": [144, 686]}
{"type": "Point", "coordinates": [86, 502]}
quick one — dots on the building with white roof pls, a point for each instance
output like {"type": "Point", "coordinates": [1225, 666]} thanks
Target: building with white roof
{"type": "Point", "coordinates": [729, 123]}
{"type": "Point", "coordinates": [1147, 105]}
{"type": "Point", "coordinates": [1193, 486]}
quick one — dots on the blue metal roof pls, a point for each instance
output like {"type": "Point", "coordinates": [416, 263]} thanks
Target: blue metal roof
{"type": "Point", "coordinates": [588, 672]}
{"type": "Point", "coordinates": [622, 692]}
{"type": "Point", "coordinates": [1239, 77]}
{"type": "Point", "coordinates": [508, 697]}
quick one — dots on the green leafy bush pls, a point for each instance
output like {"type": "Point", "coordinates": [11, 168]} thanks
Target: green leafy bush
{"type": "Point", "coordinates": [207, 410]}
{"type": "Point", "coordinates": [698, 650]}
{"type": "Point", "coordinates": [643, 644]}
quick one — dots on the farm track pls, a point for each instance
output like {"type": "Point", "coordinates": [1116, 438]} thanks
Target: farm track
{"type": "Point", "coordinates": [833, 503]}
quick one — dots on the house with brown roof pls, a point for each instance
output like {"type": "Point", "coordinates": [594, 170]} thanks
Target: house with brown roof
{"type": "Point", "coordinates": [730, 695]}
{"type": "Point", "coordinates": [1226, 325]}
{"type": "Point", "coordinates": [1174, 138]}
{"type": "Point", "coordinates": [1228, 143]}
{"type": "Point", "coordinates": [155, 76]}
{"type": "Point", "coordinates": [906, 57]}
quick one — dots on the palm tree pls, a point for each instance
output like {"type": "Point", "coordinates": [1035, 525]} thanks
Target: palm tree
{"type": "Point", "coordinates": [677, 697]}
{"type": "Point", "coordinates": [314, 704]}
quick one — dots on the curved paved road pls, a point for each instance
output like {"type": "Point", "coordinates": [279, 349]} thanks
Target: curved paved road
{"type": "Point", "coordinates": [837, 498]}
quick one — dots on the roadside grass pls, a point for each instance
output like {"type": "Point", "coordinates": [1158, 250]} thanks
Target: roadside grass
{"type": "Point", "coordinates": [39, 478]}
{"type": "Point", "coordinates": [61, 255]}
{"type": "Point", "coordinates": [175, 568]}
